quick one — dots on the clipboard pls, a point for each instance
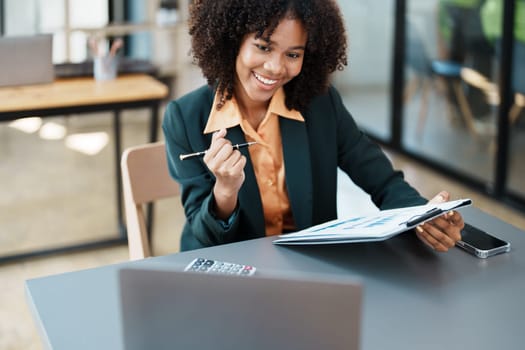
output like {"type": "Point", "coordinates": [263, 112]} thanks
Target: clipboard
{"type": "Point", "coordinates": [370, 228]}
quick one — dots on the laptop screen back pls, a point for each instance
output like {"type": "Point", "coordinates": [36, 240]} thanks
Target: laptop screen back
{"type": "Point", "coordinates": [26, 60]}
{"type": "Point", "coordinates": [186, 310]}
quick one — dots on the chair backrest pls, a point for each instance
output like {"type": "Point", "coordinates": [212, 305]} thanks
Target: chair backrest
{"type": "Point", "coordinates": [518, 68]}
{"type": "Point", "coordinates": [145, 179]}
{"type": "Point", "coordinates": [416, 53]}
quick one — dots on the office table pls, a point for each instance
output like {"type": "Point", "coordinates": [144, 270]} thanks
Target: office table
{"type": "Point", "coordinates": [85, 95]}
{"type": "Point", "coordinates": [414, 298]}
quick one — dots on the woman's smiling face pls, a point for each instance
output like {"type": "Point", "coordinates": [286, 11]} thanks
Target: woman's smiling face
{"type": "Point", "coordinates": [262, 67]}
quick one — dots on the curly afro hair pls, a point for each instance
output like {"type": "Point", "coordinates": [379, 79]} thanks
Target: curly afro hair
{"type": "Point", "coordinates": [217, 28]}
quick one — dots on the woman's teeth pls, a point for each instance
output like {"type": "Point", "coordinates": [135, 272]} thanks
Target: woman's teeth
{"type": "Point", "coordinates": [264, 80]}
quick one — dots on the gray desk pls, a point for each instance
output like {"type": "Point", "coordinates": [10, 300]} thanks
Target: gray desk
{"type": "Point", "coordinates": [414, 298]}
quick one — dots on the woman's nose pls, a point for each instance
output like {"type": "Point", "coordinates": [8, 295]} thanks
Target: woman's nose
{"type": "Point", "coordinates": [274, 65]}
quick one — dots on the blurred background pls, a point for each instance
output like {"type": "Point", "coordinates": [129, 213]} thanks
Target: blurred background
{"type": "Point", "coordinates": [438, 83]}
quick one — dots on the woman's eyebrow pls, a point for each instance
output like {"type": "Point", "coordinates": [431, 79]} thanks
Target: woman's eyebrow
{"type": "Point", "coordinates": [299, 47]}
{"type": "Point", "coordinates": [270, 42]}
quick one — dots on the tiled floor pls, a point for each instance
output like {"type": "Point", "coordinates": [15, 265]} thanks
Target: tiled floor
{"type": "Point", "coordinates": [52, 194]}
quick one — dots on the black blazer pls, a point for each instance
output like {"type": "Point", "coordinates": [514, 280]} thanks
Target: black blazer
{"type": "Point", "coordinates": [329, 138]}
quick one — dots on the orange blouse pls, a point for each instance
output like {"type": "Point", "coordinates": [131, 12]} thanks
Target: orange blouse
{"type": "Point", "coordinates": [266, 156]}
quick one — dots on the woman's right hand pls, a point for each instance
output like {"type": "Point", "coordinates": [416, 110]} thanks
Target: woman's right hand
{"type": "Point", "coordinates": [227, 165]}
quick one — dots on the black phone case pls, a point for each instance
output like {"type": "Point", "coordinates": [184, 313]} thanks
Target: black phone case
{"type": "Point", "coordinates": [500, 246]}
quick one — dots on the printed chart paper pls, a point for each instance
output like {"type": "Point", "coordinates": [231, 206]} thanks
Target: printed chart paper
{"type": "Point", "coordinates": [376, 227]}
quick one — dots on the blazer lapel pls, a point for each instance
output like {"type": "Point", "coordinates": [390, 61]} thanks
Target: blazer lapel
{"type": "Point", "coordinates": [249, 197]}
{"type": "Point", "coordinates": [298, 172]}
{"type": "Point", "coordinates": [296, 153]}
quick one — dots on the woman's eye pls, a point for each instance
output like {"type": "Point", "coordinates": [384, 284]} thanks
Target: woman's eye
{"type": "Point", "coordinates": [294, 55]}
{"type": "Point", "coordinates": [262, 47]}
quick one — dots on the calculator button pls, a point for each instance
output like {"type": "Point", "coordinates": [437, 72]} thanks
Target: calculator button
{"type": "Point", "coordinates": [219, 267]}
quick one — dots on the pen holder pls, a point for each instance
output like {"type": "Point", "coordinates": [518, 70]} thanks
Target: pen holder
{"type": "Point", "coordinates": [105, 67]}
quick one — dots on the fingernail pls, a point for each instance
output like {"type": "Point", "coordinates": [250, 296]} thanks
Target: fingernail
{"type": "Point", "coordinates": [419, 229]}
{"type": "Point", "coordinates": [451, 213]}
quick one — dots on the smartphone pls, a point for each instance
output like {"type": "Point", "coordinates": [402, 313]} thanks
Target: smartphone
{"type": "Point", "coordinates": [480, 243]}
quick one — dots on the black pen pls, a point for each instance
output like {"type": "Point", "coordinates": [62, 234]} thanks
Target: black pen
{"type": "Point", "coordinates": [202, 153]}
{"type": "Point", "coordinates": [419, 219]}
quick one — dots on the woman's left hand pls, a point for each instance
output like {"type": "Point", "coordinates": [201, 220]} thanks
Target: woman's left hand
{"type": "Point", "coordinates": [443, 232]}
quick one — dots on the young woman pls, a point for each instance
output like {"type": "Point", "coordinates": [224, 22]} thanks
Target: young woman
{"type": "Point", "coordinates": [268, 65]}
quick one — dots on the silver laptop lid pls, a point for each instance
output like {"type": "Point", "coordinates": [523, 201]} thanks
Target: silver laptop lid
{"type": "Point", "coordinates": [26, 60]}
{"type": "Point", "coordinates": [189, 310]}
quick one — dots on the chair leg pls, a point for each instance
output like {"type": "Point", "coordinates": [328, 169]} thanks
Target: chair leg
{"type": "Point", "coordinates": [442, 87]}
{"type": "Point", "coordinates": [466, 112]}
{"type": "Point", "coordinates": [423, 109]}
{"type": "Point", "coordinates": [514, 113]}
{"type": "Point", "coordinates": [519, 103]}
{"type": "Point", "coordinates": [410, 89]}
{"type": "Point", "coordinates": [513, 117]}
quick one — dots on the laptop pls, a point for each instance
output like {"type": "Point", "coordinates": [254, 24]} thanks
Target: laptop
{"type": "Point", "coordinates": [26, 60]}
{"type": "Point", "coordinates": [166, 309]}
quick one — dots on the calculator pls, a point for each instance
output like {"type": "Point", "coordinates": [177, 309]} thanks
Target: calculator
{"type": "Point", "coordinates": [220, 267]}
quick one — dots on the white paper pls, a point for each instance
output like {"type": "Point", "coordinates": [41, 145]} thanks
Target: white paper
{"type": "Point", "coordinates": [378, 226]}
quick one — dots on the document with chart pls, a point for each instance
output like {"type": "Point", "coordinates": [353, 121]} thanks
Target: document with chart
{"type": "Point", "coordinates": [375, 227]}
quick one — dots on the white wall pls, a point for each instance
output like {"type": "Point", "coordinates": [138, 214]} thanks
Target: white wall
{"type": "Point", "coordinates": [21, 17]}
{"type": "Point", "coordinates": [370, 29]}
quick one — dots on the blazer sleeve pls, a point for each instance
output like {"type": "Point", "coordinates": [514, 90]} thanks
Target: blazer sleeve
{"type": "Point", "coordinates": [367, 165]}
{"type": "Point", "coordinates": [183, 123]}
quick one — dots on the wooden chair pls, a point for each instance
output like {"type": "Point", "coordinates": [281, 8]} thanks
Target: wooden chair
{"type": "Point", "coordinates": [491, 89]}
{"type": "Point", "coordinates": [145, 179]}
{"type": "Point", "coordinates": [425, 71]}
